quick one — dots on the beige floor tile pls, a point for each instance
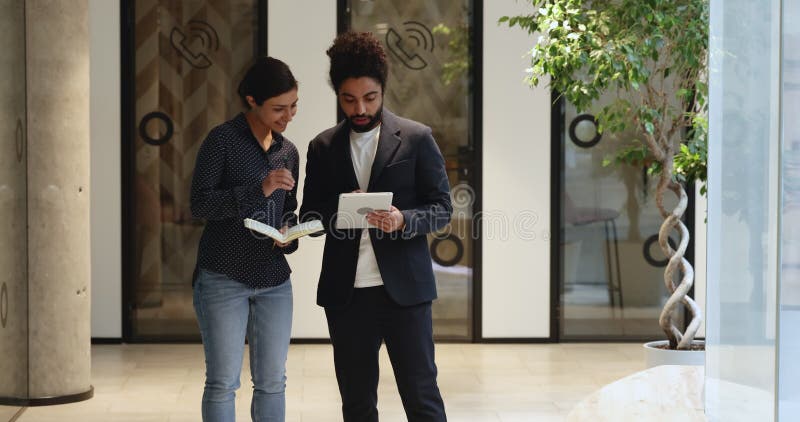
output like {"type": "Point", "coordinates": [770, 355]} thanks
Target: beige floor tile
{"type": "Point", "coordinates": [8, 412]}
{"type": "Point", "coordinates": [116, 417]}
{"type": "Point", "coordinates": [472, 416]}
{"type": "Point", "coordinates": [321, 416]}
{"type": "Point", "coordinates": [537, 416]}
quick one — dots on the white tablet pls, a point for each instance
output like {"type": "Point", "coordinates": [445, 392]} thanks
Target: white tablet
{"type": "Point", "coordinates": [354, 207]}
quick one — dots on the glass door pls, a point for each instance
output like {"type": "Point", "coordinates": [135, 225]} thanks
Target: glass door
{"type": "Point", "coordinates": [186, 59]}
{"type": "Point", "coordinates": [612, 268]}
{"type": "Point", "coordinates": [429, 44]}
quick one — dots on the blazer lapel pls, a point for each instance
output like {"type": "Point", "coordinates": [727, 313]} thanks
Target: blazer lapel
{"type": "Point", "coordinates": [388, 142]}
{"type": "Point", "coordinates": [342, 142]}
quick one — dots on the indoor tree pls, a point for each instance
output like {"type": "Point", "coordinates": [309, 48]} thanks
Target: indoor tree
{"type": "Point", "coordinates": [653, 55]}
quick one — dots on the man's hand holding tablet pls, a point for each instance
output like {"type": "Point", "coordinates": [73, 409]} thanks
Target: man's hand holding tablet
{"type": "Point", "coordinates": [359, 210]}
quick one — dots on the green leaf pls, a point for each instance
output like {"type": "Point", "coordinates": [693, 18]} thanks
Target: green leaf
{"type": "Point", "coordinates": [620, 51]}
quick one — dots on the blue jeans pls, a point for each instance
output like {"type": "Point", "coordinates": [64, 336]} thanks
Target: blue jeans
{"type": "Point", "coordinates": [227, 310]}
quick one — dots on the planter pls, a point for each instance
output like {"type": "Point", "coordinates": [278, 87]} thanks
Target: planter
{"type": "Point", "coordinates": [655, 356]}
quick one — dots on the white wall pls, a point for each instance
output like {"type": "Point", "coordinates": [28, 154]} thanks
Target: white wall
{"type": "Point", "coordinates": [516, 184]}
{"type": "Point", "coordinates": [105, 190]}
{"type": "Point", "coordinates": [300, 39]}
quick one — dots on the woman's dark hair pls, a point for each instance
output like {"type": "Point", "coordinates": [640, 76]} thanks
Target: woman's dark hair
{"type": "Point", "coordinates": [355, 55]}
{"type": "Point", "coordinates": [266, 78]}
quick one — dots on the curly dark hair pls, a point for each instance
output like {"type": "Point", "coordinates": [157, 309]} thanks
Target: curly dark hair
{"type": "Point", "coordinates": [355, 55]}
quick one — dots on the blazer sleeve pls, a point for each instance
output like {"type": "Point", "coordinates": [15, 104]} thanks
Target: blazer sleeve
{"type": "Point", "coordinates": [318, 202]}
{"type": "Point", "coordinates": [208, 199]}
{"type": "Point", "coordinates": [433, 190]}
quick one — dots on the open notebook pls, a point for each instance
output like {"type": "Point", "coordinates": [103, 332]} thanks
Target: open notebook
{"type": "Point", "coordinates": [293, 233]}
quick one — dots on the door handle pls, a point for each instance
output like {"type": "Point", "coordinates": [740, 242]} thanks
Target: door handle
{"type": "Point", "coordinates": [20, 135]}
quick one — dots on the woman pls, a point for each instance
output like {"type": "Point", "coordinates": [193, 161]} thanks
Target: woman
{"type": "Point", "coordinates": [247, 169]}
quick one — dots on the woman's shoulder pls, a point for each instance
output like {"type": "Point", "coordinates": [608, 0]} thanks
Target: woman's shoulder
{"type": "Point", "coordinates": [226, 131]}
{"type": "Point", "coordinates": [288, 145]}
{"type": "Point", "coordinates": [230, 127]}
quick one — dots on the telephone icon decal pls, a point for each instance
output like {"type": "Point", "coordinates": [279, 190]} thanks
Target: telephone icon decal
{"type": "Point", "coordinates": [407, 52]}
{"type": "Point", "coordinates": [194, 45]}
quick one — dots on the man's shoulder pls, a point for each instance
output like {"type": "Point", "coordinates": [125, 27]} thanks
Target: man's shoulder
{"type": "Point", "coordinates": [325, 137]}
{"type": "Point", "coordinates": [408, 126]}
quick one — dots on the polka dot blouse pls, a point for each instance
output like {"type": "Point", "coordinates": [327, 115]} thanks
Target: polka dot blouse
{"type": "Point", "coordinates": [226, 189]}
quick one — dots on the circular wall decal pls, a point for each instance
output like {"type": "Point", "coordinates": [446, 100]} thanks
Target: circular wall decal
{"type": "Point", "coordinates": [649, 257]}
{"type": "Point", "coordinates": [447, 262]}
{"type": "Point", "coordinates": [4, 305]}
{"type": "Point", "coordinates": [462, 196]}
{"type": "Point", "coordinates": [143, 128]}
{"type": "Point", "coordinates": [574, 128]}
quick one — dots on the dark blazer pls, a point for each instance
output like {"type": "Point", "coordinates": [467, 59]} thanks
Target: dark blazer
{"type": "Point", "coordinates": [409, 164]}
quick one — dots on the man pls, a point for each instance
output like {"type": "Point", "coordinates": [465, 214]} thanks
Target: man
{"type": "Point", "coordinates": [377, 285]}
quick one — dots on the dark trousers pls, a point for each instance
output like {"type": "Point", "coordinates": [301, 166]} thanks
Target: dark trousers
{"type": "Point", "coordinates": [357, 332]}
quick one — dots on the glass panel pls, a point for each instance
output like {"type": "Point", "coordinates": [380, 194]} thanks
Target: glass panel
{"type": "Point", "coordinates": [612, 267]}
{"type": "Point", "coordinates": [189, 58]}
{"type": "Point", "coordinates": [742, 210]}
{"type": "Point", "coordinates": [13, 203]}
{"type": "Point", "coordinates": [789, 336]}
{"type": "Point", "coordinates": [429, 81]}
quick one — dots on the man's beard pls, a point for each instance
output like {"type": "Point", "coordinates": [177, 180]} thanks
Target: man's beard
{"type": "Point", "coordinates": [373, 121]}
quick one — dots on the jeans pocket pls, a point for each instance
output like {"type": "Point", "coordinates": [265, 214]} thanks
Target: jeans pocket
{"type": "Point", "coordinates": [205, 279]}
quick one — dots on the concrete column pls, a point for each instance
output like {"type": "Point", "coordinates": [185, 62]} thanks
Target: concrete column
{"type": "Point", "coordinates": [57, 51]}
{"type": "Point", "coordinates": [13, 204]}
{"type": "Point", "coordinates": [58, 252]}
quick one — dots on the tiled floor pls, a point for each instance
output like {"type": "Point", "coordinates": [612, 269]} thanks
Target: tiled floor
{"type": "Point", "coordinates": [482, 383]}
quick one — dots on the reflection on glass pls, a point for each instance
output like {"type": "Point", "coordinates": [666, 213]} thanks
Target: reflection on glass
{"type": "Point", "coordinates": [789, 336]}
{"type": "Point", "coordinates": [13, 203]}
{"type": "Point", "coordinates": [189, 58]}
{"type": "Point", "coordinates": [429, 51]}
{"type": "Point", "coordinates": [612, 268]}
{"type": "Point", "coordinates": [742, 194]}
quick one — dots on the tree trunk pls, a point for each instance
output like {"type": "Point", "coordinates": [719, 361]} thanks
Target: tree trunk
{"type": "Point", "coordinates": [677, 262]}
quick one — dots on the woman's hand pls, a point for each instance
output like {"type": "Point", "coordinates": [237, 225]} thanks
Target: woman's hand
{"type": "Point", "coordinates": [277, 179]}
{"type": "Point", "coordinates": [281, 244]}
